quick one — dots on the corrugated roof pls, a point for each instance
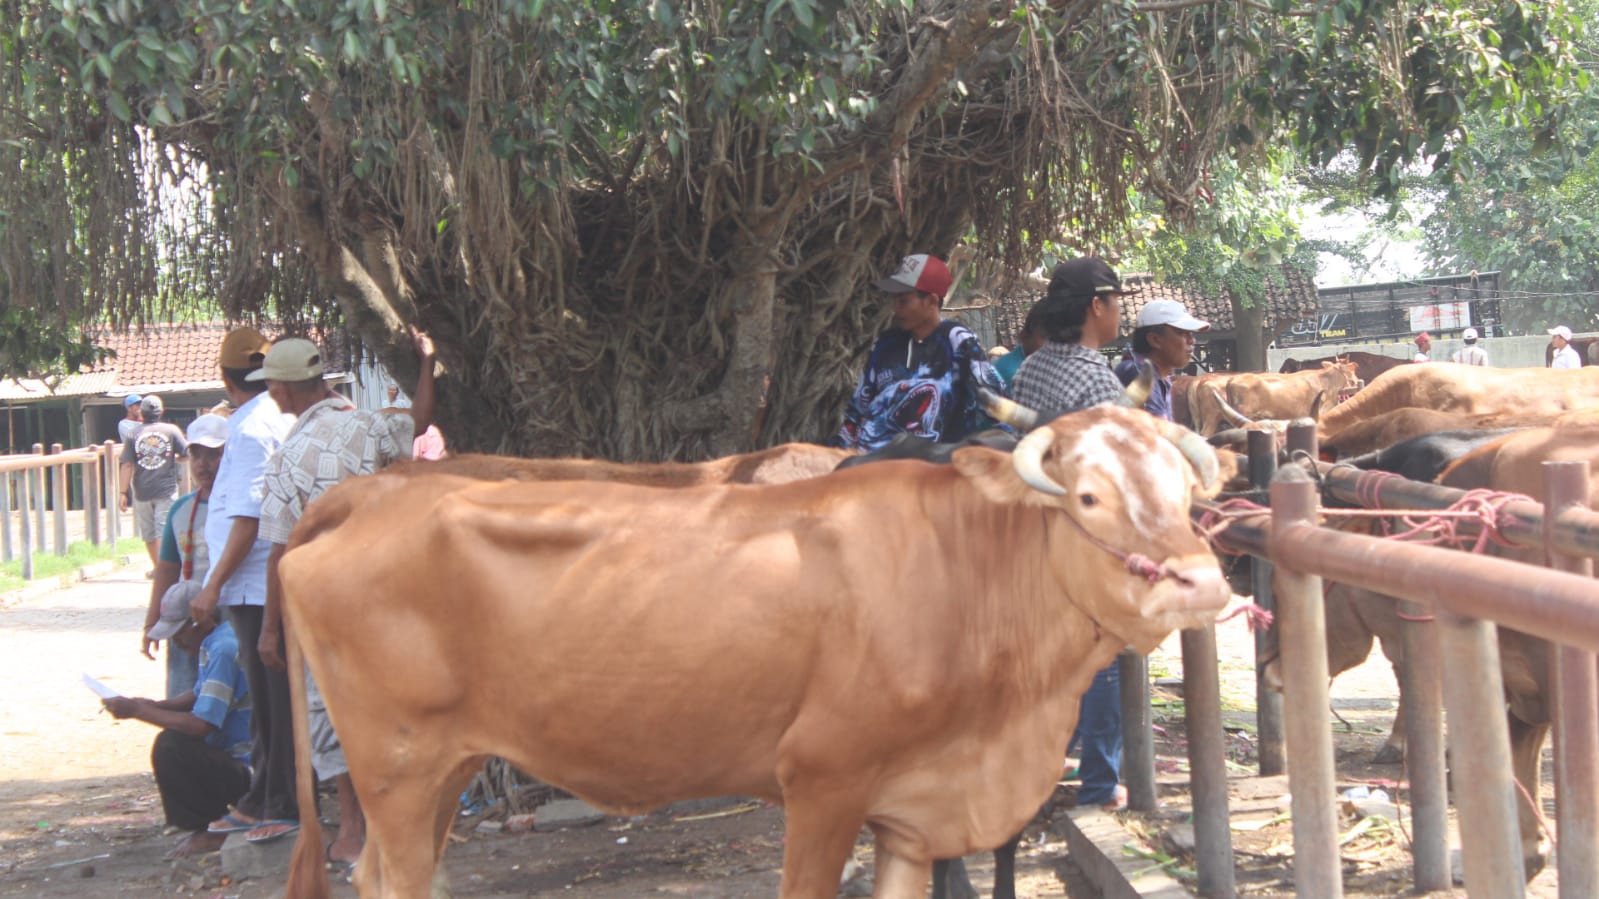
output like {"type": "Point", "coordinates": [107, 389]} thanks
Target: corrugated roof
{"type": "Point", "coordinates": [1290, 302]}
{"type": "Point", "coordinates": [92, 383]}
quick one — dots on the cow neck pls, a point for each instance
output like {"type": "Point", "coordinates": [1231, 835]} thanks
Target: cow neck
{"type": "Point", "coordinates": [1047, 644]}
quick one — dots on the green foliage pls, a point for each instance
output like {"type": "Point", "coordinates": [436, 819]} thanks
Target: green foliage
{"type": "Point", "coordinates": [614, 213]}
{"type": "Point", "coordinates": [1240, 239]}
{"type": "Point", "coordinates": [1531, 215]}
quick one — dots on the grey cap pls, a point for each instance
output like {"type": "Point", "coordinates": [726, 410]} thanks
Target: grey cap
{"type": "Point", "coordinates": [151, 405]}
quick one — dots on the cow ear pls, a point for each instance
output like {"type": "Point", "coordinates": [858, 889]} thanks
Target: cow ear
{"type": "Point", "coordinates": [992, 473]}
{"type": "Point", "coordinates": [1227, 473]}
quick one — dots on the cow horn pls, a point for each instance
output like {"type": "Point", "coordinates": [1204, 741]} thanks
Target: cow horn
{"type": "Point", "coordinates": [1138, 390]}
{"type": "Point", "coordinates": [1193, 447]}
{"type": "Point", "coordinates": [1028, 460]}
{"type": "Point", "coordinates": [1008, 411]}
{"type": "Point", "coordinates": [1228, 437]}
{"type": "Point", "coordinates": [1233, 415]}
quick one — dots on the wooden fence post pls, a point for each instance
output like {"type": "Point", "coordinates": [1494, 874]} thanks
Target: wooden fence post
{"type": "Point", "coordinates": [58, 499]}
{"type": "Point", "coordinates": [36, 494]}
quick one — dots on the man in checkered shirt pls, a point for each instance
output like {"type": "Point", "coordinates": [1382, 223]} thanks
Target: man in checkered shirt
{"type": "Point", "coordinates": [331, 440]}
{"type": "Point", "coordinates": [1081, 312]}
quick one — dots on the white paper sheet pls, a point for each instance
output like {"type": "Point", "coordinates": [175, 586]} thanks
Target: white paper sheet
{"type": "Point", "coordinates": [103, 691]}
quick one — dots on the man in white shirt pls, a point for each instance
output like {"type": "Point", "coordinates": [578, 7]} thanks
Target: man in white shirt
{"type": "Point", "coordinates": [1565, 356]}
{"type": "Point", "coordinates": [237, 582]}
{"type": "Point", "coordinates": [1470, 354]}
{"type": "Point", "coordinates": [1423, 347]}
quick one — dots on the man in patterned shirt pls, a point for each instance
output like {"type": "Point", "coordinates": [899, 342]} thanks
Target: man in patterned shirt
{"type": "Point", "coordinates": [330, 441]}
{"type": "Point", "coordinates": [1081, 312]}
{"type": "Point", "coordinates": [922, 375]}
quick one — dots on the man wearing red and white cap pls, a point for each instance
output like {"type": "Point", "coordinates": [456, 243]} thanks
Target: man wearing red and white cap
{"type": "Point", "coordinates": [923, 373]}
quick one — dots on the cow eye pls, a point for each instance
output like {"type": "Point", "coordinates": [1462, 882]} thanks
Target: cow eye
{"type": "Point", "coordinates": [1088, 499]}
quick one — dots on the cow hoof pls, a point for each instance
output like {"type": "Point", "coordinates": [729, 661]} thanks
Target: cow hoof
{"type": "Point", "coordinates": [1389, 754]}
{"type": "Point", "coordinates": [1534, 862]}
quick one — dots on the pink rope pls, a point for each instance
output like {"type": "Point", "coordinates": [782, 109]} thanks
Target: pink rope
{"type": "Point", "coordinates": [1256, 617]}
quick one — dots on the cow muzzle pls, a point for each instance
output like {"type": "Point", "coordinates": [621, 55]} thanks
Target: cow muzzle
{"type": "Point", "coordinates": [1197, 589]}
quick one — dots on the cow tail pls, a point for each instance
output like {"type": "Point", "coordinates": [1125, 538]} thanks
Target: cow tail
{"type": "Point", "coordinates": [308, 878]}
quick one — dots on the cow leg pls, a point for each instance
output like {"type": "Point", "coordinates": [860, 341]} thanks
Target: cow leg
{"type": "Point", "coordinates": [950, 880]}
{"type": "Point", "coordinates": [898, 877]}
{"type": "Point", "coordinates": [1393, 751]}
{"type": "Point", "coordinates": [820, 838]}
{"type": "Point", "coordinates": [1526, 751]}
{"type": "Point", "coordinates": [1005, 868]}
{"type": "Point", "coordinates": [403, 817]}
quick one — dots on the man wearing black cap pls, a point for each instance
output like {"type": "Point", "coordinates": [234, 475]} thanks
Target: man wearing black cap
{"type": "Point", "coordinates": [923, 373]}
{"type": "Point", "coordinates": [1081, 312]}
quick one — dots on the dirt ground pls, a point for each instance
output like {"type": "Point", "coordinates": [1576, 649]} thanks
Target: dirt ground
{"type": "Point", "coordinates": [80, 816]}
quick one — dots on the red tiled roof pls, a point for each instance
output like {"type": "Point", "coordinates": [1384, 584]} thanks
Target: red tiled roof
{"type": "Point", "coordinates": [186, 354]}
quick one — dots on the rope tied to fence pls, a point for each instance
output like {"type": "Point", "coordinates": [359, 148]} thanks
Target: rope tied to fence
{"type": "Point", "coordinates": [1428, 527]}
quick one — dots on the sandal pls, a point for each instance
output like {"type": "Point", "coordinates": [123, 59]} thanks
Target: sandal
{"type": "Point", "coordinates": [267, 831]}
{"type": "Point", "coordinates": [341, 871]}
{"type": "Point", "coordinates": [232, 822]}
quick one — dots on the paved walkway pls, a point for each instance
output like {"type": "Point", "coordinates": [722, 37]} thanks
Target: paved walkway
{"type": "Point", "coordinates": [51, 726]}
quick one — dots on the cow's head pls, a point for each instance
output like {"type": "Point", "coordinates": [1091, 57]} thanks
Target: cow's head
{"type": "Point", "coordinates": [1114, 486]}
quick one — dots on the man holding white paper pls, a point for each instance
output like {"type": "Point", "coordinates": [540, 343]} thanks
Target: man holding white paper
{"type": "Point", "coordinates": [201, 755]}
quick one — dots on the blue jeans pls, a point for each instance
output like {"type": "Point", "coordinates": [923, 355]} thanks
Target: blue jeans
{"type": "Point", "coordinates": [183, 670]}
{"type": "Point", "coordinates": [1099, 738]}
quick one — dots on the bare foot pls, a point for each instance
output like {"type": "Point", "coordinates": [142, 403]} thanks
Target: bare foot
{"type": "Point", "coordinates": [196, 844]}
{"type": "Point", "coordinates": [344, 850]}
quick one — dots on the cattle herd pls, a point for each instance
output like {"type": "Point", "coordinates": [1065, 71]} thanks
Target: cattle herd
{"type": "Point", "coordinates": [900, 646]}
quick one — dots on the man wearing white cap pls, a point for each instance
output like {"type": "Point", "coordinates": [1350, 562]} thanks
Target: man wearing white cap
{"type": "Point", "coordinates": [331, 440]}
{"type": "Point", "coordinates": [1164, 337]}
{"type": "Point", "coordinates": [1470, 354]}
{"type": "Point", "coordinates": [183, 556]}
{"type": "Point", "coordinates": [1565, 356]}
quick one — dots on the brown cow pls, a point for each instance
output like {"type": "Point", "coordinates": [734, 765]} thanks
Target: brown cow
{"type": "Point", "coordinates": [1399, 425]}
{"type": "Point", "coordinates": [1264, 395]}
{"type": "Point", "coordinates": [1367, 365]}
{"type": "Point", "coordinates": [1466, 390]}
{"type": "Point", "coordinates": [901, 645]}
{"type": "Point", "coordinates": [777, 465]}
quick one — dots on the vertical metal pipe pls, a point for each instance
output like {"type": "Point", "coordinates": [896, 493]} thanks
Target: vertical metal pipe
{"type": "Point", "coordinates": [24, 495]}
{"type": "Point", "coordinates": [1422, 689]}
{"type": "Point", "coordinates": [58, 499]}
{"type": "Point", "coordinates": [36, 499]}
{"type": "Point", "coordinates": [1479, 745]}
{"type": "Point", "coordinates": [91, 499]}
{"type": "Point", "coordinates": [1268, 702]}
{"type": "Point", "coordinates": [1207, 764]}
{"type": "Point", "coordinates": [1317, 870]}
{"type": "Point", "coordinates": [1576, 698]}
{"type": "Point", "coordinates": [1138, 732]}
{"type": "Point", "coordinates": [1302, 437]}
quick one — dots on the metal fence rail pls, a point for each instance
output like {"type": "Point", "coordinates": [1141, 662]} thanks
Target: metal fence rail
{"type": "Point", "coordinates": [1467, 595]}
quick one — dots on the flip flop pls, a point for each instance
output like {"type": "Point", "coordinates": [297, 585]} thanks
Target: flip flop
{"type": "Point", "coordinates": [341, 871]}
{"type": "Point", "coordinates": [263, 831]}
{"type": "Point", "coordinates": [232, 823]}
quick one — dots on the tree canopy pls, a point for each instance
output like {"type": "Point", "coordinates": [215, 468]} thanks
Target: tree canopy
{"type": "Point", "coordinates": [641, 229]}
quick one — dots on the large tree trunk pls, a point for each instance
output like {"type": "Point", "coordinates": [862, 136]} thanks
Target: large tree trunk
{"type": "Point", "coordinates": [1249, 321]}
